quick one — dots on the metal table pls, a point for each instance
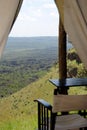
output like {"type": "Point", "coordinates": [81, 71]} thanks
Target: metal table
{"type": "Point", "coordinates": [69, 82]}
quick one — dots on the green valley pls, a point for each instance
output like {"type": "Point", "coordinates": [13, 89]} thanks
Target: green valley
{"type": "Point", "coordinates": [19, 111]}
{"type": "Point", "coordinates": [24, 61]}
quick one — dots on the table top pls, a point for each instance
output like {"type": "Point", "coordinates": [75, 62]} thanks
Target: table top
{"type": "Point", "coordinates": [69, 82]}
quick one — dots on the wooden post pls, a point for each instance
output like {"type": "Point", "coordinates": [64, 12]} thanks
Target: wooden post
{"type": "Point", "coordinates": [62, 55]}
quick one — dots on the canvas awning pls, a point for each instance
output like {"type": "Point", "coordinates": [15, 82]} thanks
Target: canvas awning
{"type": "Point", "coordinates": [73, 14]}
{"type": "Point", "coordinates": [8, 12]}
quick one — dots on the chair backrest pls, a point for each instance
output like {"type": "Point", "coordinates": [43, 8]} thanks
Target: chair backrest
{"type": "Point", "coordinates": [63, 103]}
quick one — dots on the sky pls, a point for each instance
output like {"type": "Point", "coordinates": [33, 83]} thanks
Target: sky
{"type": "Point", "coordinates": [36, 18]}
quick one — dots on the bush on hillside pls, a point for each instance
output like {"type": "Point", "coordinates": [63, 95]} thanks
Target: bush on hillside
{"type": "Point", "coordinates": [75, 68]}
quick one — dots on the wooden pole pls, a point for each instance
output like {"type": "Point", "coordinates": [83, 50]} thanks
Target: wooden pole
{"type": "Point", "coordinates": [62, 55]}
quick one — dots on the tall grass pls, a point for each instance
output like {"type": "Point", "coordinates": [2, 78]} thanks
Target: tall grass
{"type": "Point", "coordinates": [20, 124]}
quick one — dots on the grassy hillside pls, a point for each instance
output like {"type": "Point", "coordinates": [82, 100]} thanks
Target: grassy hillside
{"type": "Point", "coordinates": [18, 111]}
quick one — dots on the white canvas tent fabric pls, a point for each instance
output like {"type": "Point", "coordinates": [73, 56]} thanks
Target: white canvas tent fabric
{"type": "Point", "coordinates": [8, 12]}
{"type": "Point", "coordinates": [74, 17]}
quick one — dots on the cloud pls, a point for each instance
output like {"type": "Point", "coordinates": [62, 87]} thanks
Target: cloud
{"type": "Point", "coordinates": [55, 15]}
{"type": "Point", "coordinates": [36, 18]}
{"type": "Point", "coordinates": [49, 6]}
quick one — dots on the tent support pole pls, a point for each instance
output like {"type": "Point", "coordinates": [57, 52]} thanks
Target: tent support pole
{"type": "Point", "coordinates": [62, 54]}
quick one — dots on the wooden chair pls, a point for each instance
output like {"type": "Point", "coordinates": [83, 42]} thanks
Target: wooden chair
{"type": "Point", "coordinates": [64, 103]}
{"type": "Point", "coordinates": [67, 103]}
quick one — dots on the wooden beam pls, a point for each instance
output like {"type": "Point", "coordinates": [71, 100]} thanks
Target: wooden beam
{"type": "Point", "coordinates": [62, 54]}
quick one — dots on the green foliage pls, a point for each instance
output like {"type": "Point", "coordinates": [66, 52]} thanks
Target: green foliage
{"type": "Point", "coordinates": [72, 68]}
{"type": "Point", "coordinates": [75, 67]}
{"type": "Point", "coordinates": [82, 71]}
{"type": "Point", "coordinates": [22, 70]}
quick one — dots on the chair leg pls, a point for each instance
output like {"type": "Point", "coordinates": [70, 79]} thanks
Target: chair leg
{"type": "Point", "coordinates": [53, 119]}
